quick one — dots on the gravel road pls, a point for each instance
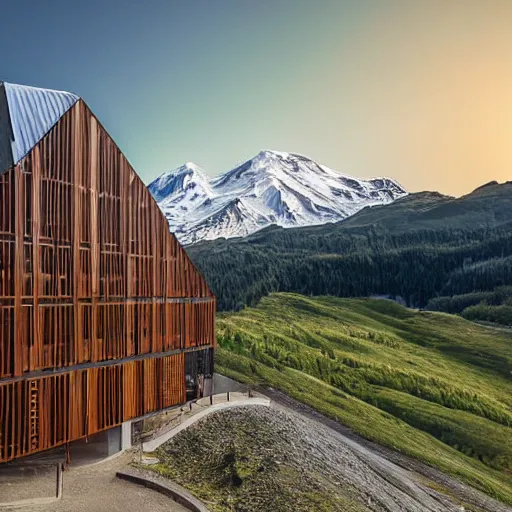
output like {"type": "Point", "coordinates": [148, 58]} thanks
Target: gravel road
{"type": "Point", "coordinates": [391, 481]}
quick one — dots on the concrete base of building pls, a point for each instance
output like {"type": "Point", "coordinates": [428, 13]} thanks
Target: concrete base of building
{"type": "Point", "coordinates": [113, 440]}
{"type": "Point", "coordinates": [102, 446]}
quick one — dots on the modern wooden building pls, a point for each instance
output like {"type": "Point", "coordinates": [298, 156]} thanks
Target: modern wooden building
{"type": "Point", "coordinates": [103, 318]}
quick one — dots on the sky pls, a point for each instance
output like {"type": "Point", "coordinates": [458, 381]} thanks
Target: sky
{"type": "Point", "coordinates": [420, 91]}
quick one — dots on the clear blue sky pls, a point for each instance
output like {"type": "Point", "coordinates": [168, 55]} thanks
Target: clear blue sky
{"type": "Point", "coordinates": [420, 91]}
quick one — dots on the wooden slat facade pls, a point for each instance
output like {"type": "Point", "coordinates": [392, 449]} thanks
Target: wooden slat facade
{"type": "Point", "coordinates": [89, 276]}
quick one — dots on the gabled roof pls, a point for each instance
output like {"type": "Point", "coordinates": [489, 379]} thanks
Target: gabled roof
{"type": "Point", "coordinates": [26, 115]}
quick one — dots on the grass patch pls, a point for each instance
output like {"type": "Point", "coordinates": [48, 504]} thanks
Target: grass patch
{"type": "Point", "coordinates": [429, 385]}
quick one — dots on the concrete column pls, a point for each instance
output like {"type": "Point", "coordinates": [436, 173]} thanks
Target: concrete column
{"type": "Point", "coordinates": [208, 387]}
{"type": "Point", "coordinates": [114, 440]}
{"type": "Point", "coordinates": [126, 435]}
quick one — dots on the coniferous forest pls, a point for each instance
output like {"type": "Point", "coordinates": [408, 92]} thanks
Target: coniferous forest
{"type": "Point", "coordinates": [426, 250]}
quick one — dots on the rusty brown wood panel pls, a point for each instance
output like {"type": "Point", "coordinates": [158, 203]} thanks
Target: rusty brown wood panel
{"type": "Point", "coordinates": [88, 273]}
{"type": "Point", "coordinates": [70, 406]}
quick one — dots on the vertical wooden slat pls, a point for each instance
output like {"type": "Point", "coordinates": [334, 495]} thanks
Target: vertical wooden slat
{"type": "Point", "coordinates": [18, 267]}
{"type": "Point", "coordinates": [95, 249]}
{"type": "Point", "coordinates": [76, 212]}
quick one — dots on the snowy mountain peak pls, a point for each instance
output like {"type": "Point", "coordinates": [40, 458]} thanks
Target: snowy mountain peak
{"type": "Point", "coordinates": [185, 181]}
{"type": "Point", "coordinates": [270, 153]}
{"type": "Point", "coordinates": [274, 187]}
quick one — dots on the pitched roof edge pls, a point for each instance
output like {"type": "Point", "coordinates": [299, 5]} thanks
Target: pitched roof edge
{"type": "Point", "coordinates": [6, 136]}
{"type": "Point", "coordinates": [33, 112]}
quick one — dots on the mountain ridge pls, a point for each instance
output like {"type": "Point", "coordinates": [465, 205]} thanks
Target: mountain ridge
{"type": "Point", "coordinates": [419, 247]}
{"type": "Point", "coordinates": [274, 187]}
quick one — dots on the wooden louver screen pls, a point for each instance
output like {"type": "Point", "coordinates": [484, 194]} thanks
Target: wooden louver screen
{"type": "Point", "coordinates": [89, 276]}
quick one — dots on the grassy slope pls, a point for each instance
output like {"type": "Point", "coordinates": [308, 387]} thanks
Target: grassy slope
{"type": "Point", "coordinates": [430, 385]}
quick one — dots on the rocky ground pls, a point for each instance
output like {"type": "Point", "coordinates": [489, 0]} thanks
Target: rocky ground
{"type": "Point", "coordinates": [275, 459]}
{"type": "Point", "coordinates": [469, 498]}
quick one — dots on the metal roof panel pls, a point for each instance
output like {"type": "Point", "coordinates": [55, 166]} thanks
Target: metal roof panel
{"type": "Point", "coordinates": [33, 112]}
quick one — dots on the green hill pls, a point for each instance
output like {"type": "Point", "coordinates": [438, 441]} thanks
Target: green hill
{"type": "Point", "coordinates": [420, 247]}
{"type": "Point", "coordinates": [430, 385]}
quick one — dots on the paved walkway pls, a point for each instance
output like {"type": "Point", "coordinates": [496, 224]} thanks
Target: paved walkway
{"type": "Point", "coordinates": [164, 485]}
{"type": "Point", "coordinates": [199, 410]}
{"type": "Point", "coordinates": [96, 489]}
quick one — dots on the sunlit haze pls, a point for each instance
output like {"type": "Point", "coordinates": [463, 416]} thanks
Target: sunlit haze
{"type": "Point", "coordinates": [419, 91]}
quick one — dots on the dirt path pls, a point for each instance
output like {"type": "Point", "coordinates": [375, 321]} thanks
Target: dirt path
{"type": "Point", "coordinates": [402, 473]}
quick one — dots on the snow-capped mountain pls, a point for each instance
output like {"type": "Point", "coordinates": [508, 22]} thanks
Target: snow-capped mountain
{"type": "Point", "coordinates": [272, 188]}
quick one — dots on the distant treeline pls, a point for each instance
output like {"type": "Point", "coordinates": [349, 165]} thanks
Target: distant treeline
{"type": "Point", "coordinates": [421, 247]}
{"type": "Point", "coordinates": [495, 306]}
{"type": "Point", "coordinates": [417, 266]}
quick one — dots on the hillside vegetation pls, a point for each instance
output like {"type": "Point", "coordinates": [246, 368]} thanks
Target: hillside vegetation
{"type": "Point", "coordinates": [420, 247]}
{"type": "Point", "coordinates": [255, 459]}
{"type": "Point", "coordinates": [494, 306]}
{"type": "Point", "coordinates": [430, 385]}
